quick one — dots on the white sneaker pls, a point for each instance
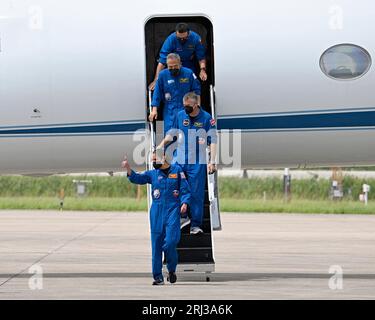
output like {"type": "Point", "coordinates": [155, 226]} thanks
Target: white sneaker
{"type": "Point", "coordinates": [184, 222]}
{"type": "Point", "coordinates": [196, 230]}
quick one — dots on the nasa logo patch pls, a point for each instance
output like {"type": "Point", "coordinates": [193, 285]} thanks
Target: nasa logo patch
{"type": "Point", "coordinates": [156, 194]}
{"type": "Point", "coordinates": [176, 193]}
{"type": "Point", "coordinates": [186, 122]}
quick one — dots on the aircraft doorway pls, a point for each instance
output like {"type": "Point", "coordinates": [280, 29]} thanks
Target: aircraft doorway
{"type": "Point", "coordinates": [195, 252]}
{"type": "Point", "coordinates": [157, 29]}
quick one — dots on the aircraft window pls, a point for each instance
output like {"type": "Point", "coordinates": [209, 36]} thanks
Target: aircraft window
{"type": "Point", "coordinates": [345, 62]}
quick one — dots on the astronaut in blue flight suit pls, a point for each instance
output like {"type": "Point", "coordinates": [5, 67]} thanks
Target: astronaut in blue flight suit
{"type": "Point", "coordinates": [195, 129]}
{"type": "Point", "coordinates": [188, 45]}
{"type": "Point", "coordinates": [170, 88]}
{"type": "Point", "coordinates": [170, 198]}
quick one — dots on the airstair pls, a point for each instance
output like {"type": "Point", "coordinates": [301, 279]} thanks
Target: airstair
{"type": "Point", "coordinates": [196, 252]}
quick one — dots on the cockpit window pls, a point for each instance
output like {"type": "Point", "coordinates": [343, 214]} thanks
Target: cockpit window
{"type": "Point", "coordinates": [345, 62]}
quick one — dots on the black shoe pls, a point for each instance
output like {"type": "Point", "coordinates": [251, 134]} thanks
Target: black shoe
{"type": "Point", "coordinates": [172, 278]}
{"type": "Point", "coordinates": [158, 282]}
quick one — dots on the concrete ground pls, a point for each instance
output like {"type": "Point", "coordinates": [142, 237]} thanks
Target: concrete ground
{"type": "Point", "coordinates": [94, 255]}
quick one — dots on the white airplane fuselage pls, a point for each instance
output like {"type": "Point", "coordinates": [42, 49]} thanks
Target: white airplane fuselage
{"type": "Point", "coordinates": [73, 83]}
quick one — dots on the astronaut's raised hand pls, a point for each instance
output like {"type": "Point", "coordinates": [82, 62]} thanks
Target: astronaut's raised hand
{"type": "Point", "coordinates": [184, 208]}
{"type": "Point", "coordinates": [125, 165]}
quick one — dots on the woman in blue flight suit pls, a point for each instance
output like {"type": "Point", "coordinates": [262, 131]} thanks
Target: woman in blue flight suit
{"type": "Point", "coordinates": [170, 198]}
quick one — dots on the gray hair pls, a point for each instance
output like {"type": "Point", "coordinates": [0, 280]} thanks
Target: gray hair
{"type": "Point", "coordinates": [191, 96]}
{"type": "Point", "coordinates": [174, 56]}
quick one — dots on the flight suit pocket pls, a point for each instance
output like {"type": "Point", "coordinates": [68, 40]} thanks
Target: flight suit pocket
{"type": "Point", "coordinates": [173, 188]}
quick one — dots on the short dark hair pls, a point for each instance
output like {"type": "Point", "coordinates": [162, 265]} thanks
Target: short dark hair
{"type": "Point", "coordinates": [182, 27]}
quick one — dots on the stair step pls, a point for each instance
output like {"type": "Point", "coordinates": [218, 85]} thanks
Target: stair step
{"type": "Point", "coordinates": [195, 255]}
{"type": "Point", "coordinates": [195, 240]}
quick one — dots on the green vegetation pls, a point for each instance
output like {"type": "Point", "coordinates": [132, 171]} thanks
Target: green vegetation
{"type": "Point", "coordinates": [308, 189]}
{"type": "Point", "coordinates": [76, 204]}
{"type": "Point", "coordinates": [296, 206]}
{"type": "Point", "coordinates": [236, 195]}
{"type": "Point", "coordinates": [119, 187]}
{"type": "Point", "coordinates": [226, 205]}
{"type": "Point", "coordinates": [111, 187]}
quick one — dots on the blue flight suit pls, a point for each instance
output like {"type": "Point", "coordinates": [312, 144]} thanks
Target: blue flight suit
{"type": "Point", "coordinates": [188, 51]}
{"type": "Point", "coordinates": [194, 134]}
{"type": "Point", "coordinates": [169, 192]}
{"type": "Point", "coordinates": [171, 91]}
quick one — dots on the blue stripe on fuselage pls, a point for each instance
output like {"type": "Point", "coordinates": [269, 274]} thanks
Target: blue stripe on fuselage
{"type": "Point", "coordinates": [299, 121]}
{"type": "Point", "coordinates": [344, 120]}
{"type": "Point", "coordinates": [109, 128]}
